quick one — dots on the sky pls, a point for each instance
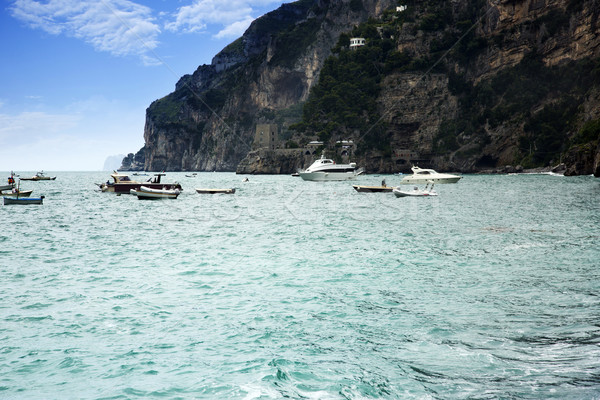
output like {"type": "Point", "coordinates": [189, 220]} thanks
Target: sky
{"type": "Point", "coordinates": [76, 76]}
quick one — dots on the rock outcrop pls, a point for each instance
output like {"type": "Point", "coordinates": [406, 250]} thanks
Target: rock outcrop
{"type": "Point", "coordinates": [263, 161]}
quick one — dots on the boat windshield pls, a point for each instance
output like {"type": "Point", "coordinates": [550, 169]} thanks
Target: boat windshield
{"type": "Point", "coordinates": [122, 178]}
{"type": "Point", "coordinates": [423, 172]}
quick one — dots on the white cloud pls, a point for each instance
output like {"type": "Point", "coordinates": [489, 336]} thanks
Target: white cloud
{"type": "Point", "coordinates": [235, 29]}
{"type": "Point", "coordinates": [235, 16]}
{"type": "Point", "coordinates": [119, 27]}
{"type": "Point", "coordinates": [27, 126]}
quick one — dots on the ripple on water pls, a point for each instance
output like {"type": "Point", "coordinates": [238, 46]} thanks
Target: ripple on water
{"type": "Point", "coordinates": [292, 289]}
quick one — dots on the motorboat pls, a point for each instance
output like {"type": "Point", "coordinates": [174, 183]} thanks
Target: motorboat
{"type": "Point", "coordinates": [122, 183]}
{"type": "Point", "coordinates": [416, 192]}
{"type": "Point", "coordinates": [147, 193]}
{"type": "Point", "coordinates": [325, 169]}
{"type": "Point", "coordinates": [40, 176]}
{"type": "Point", "coordinates": [422, 175]}
{"type": "Point", "coordinates": [23, 200]}
{"type": "Point", "coordinates": [216, 191]}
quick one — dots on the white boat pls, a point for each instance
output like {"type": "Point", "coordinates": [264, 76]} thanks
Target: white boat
{"type": "Point", "coordinates": [147, 193]}
{"type": "Point", "coordinates": [16, 193]}
{"type": "Point", "coordinates": [421, 175]}
{"type": "Point", "coordinates": [325, 169]}
{"type": "Point", "coordinates": [416, 192]}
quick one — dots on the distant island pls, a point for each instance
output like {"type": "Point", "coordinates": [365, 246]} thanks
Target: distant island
{"type": "Point", "coordinates": [112, 163]}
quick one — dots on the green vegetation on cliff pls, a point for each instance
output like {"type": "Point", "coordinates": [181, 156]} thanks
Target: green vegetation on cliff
{"type": "Point", "coordinates": [543, 102]}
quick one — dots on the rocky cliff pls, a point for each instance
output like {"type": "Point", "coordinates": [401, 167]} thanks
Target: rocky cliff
{"type": "Point", "coordinates": [465, 85]}
{"type": "Point", "coordinates": [208, 122]}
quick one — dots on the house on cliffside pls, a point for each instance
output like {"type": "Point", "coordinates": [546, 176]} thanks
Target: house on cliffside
{"type": "Point", "coordinates": [357, 42]}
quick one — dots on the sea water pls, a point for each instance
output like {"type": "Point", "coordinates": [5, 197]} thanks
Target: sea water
{"type": "Point", "coordinates": [302, 290]}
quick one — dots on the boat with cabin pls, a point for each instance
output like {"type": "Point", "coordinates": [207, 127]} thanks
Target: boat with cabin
{"type": "Point", "coordinates": [122, 183]}
{"type": "Point", "coordinates": [325, 169]}
{"type": "Point", "coordinates": [422, 175]}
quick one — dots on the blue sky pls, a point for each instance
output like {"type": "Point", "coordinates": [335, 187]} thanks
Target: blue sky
{"type": "Point", "coordinates": [76, 76]}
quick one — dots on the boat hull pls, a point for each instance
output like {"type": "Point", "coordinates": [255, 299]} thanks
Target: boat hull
{"type": "Point", "coordinates": [216, 191]}
{"type": "Point", "coordinates": [127, 187]}
{"type": "Point", "coordinates": [414, 193]}
{"type": "Point", "coordinates": [145, 193]}
{"type": "Point", "coordinates": [37, 178]}
{"type": "Point", "coordinates": [373, 189]}
{"type": "Point", "coordinates": [328, 176]}
{"type": "Point", "coordinates": [409, 180]}
{"type": "Point", "coordinates": [23, 193]}
{"type": "Point", "coordinates": [23, 201]}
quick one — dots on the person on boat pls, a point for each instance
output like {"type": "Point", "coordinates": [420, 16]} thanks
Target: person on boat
{"type": "Point", "coordinates": [383, 183]}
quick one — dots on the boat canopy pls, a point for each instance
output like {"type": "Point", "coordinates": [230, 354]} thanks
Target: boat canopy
{"type": "Point", "coordinates": [120, 178]}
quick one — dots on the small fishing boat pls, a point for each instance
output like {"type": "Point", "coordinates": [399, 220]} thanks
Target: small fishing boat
{"type": "Point", "coordinates": [11, 183]}
{"type": "Point", "coordinates": [147, 193]}
{"type": "Point", "coordinates": [17, 193]}
{"type": "Point", "coordinates": [40, 176]}
{"type": "Point", "coordinates": [23, 200]}
{"type": "Point", "coordinates": [416, 192]}
{"type": "Point", "coordinates": [216, 191]}
{"type": "Point", "coordinates": [373, 189]}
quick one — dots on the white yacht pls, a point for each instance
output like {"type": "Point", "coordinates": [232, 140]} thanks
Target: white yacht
{"type": "Point", "coordinates": [325, 169]}
{"type": "Point", "coordinates": [421, 175]}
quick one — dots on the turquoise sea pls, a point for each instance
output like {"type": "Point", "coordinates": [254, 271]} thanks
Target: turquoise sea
{"type": "Point", "coordinates": [302, 290]}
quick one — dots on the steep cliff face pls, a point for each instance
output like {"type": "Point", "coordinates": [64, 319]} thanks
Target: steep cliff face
{"type": "Point", "coordinates": [465, 85]}
{"type": "Point", "coordinates": [478, 85]}
{"type": "Point", "coordinates": [208, 122]}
